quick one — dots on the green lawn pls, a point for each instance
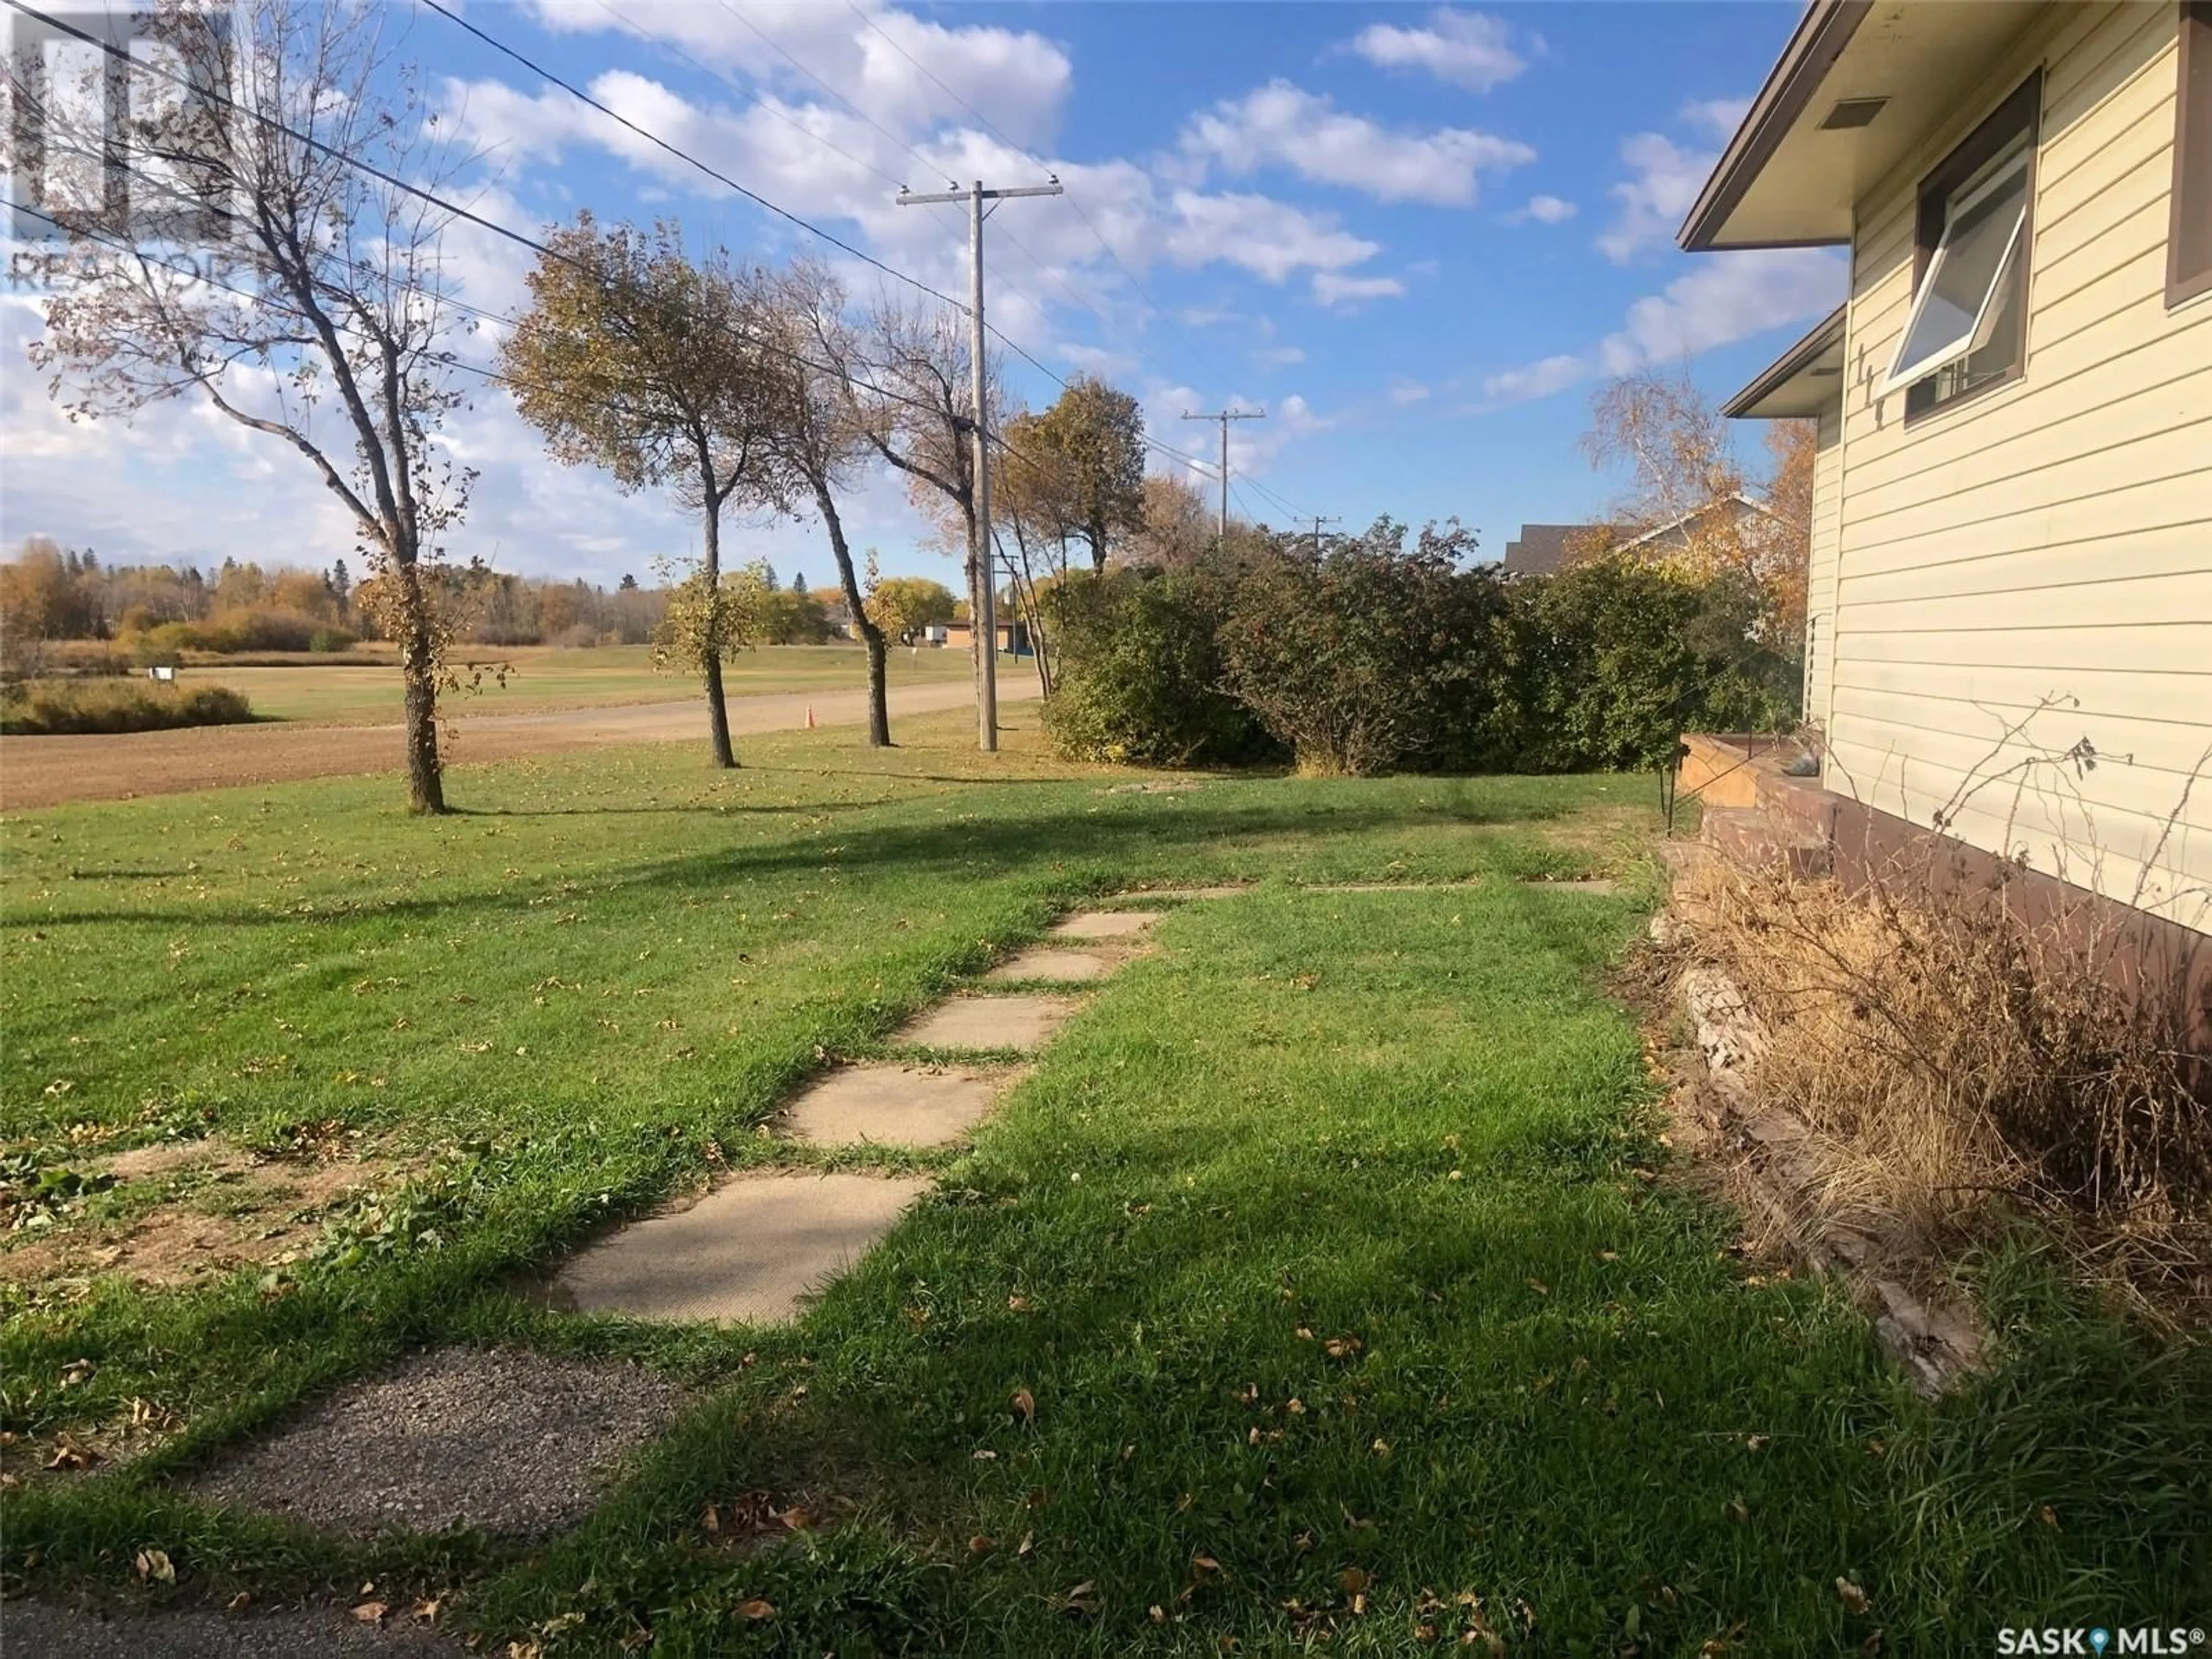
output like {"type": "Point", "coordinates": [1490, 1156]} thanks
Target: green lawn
{"type": "Point", "coordinates": [353, 694]}
{"type": "Point", "coordinates": [1388, 1156]}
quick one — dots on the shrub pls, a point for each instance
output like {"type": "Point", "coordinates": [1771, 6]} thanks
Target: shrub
{"type": "Point", "coordinates": [49, 707]}
{"type": "Point", "coordinates": [1604, 665]}
{"type": "Point", "coordinates": [1138, 671]}
{"type": "Point", "coordinates": [1367, 658]}
{"type": "Point", "coordinates": [332, 638]}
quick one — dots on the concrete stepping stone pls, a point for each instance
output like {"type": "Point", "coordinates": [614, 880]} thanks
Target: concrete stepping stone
{"type": "Point", "coordinates": [1105, 924]}
{"type": "Point", "coordinates": [1043, 962]}
{"type": "Point", "coordinates": [1225, 889]}
{"type": "Point", "coordinates": [1022, 1022]}
{"type": "Point", "coordinates": [893, 1106]}
{"type": "Point", "coordinates": [754, 1248]}
{"type": "Point", "coordinates": [508, 1440]}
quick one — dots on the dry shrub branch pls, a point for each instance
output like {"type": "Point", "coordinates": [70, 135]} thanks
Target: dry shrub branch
{"type": "Point", "coordinates": [1951, 1042]}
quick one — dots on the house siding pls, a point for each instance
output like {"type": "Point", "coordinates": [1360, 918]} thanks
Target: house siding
{"type": "Point", "coordinates": [2039, 556]}
{"type": "Point", "coordinates": [1824, 546]}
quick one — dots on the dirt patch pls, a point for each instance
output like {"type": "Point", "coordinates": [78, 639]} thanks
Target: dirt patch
{"type": "Point", "coordinates": [513, 1441]}
{"type": "Point", "coordinates": [238, 1209]}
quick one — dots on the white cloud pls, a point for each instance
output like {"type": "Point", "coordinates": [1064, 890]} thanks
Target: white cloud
{"type": "Point", "coordinates": [1331, 288]}
{"type": "Point", "coordinates": [1270, 238]}
{"type": "Point", "coordinates": [1549, 210]}
{"type": "Point", "coordinates": [1283, 125]}
{"type": "Point", "coordinates": [1281, 357]}
{"type": "Point", "coordinates": [1720, 117]}
{"type": "Point", "coordinates": [1466, 48]}
{"type": "Point", "coordinates": [1537, 380]}
{"type": "Point", "coordinates": [1664, 182]}
{"type": "Point", "coordinates": [1019, 81]}
{"type": "Point", "coordinates": [1405, 393]}
{"type": "Point", "coordinates": [1723, 298]}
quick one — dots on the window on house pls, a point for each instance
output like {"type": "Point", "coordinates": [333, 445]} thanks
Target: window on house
{"type": "Point", "coordinates": [2189, 259]}
{"type": "Point", "coordinates": [1968, 326]}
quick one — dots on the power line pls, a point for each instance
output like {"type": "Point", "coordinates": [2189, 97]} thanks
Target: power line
{"type": "Point", "coordinates": [792, 59]}
{"type": "Point", "coordinates": [447, 358]}
{"type": "Point", "coordinates": [1024, 151]}
{"type": "Point", "coordinates": [653, 138]}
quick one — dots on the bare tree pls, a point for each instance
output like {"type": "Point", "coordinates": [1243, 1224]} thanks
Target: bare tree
{"type": "Point", "coordinates": [815, 432]}
{"type": "Point", "coordinates": [325, 287]}
{"type": "Point", "coordinates": [1177, 525]}
{"type": "Point", "coordinates": [914, 404]}
{"type": "Point", "coordinates": [636, 357]}
{"type": "Point", "coordinates": [1684, 477]}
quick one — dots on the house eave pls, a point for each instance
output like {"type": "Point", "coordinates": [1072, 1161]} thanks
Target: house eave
{"type": "Point", "coordinates": [1795, 172]}
{"type": "Point", "coordinates": [1819, 39]}
{"type": "Point", "coordinates": [1802, 383]}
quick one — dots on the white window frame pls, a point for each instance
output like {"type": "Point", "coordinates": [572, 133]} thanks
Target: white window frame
{"type": "Point", "coordinates": [1971, 339]}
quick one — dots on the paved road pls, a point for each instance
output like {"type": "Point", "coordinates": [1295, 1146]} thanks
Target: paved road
{"type": "Point", "coordinates": [46, 771]}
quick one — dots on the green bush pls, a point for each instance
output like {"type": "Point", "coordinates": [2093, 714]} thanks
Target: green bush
{"type": "Point", "coordinates": [1374, 656]}
{"type": "Point", "coordinates": [49, 707]}
{"type": "Point", "coordinates": [1138, 672]}
{"type": "Point", "coordinates": [1603, 666]}
{"type": "Point", "coordinates": [332, 638]}
{"type": "Point", "coordinates": [1367, 658]}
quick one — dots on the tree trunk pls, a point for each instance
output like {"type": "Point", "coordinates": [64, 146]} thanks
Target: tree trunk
{"type": "Point", "coordinates": [418, 670]}
{"type": "Point", "coordinates": [718, 711]}
{"type": "Point", "coordinates": [879, 708]}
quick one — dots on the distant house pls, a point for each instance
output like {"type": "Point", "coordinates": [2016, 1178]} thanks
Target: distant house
{"type": "Point", "coordinates": [1726, 517]}
{"type": "Point", "coordinates": [2011, 545]}
{"type": "Point", "coordinates": [1543, 548]}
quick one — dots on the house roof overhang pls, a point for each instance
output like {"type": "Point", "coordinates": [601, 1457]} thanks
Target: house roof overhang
{"type": "Point", "coordinates": [1791, 178]}
{"type": "Point", "coordinates": [1803, 383]}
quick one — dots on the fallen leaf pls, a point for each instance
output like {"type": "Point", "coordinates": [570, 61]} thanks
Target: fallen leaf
{"type": "Point", "coordinates": [1024, 1405]}
{"type": "Point", "coordinates": [979, 1544]}
{"type": "Point", "coordinates": [1353, 1580]}
{"type": "Point", "coordinates": [370, 1613]}
{"type": "Point", "coordinates": [757, 1608]}
{"type": "Point", "coordinates": [156, 1564]}
{"type": "Point", "coordinates": [1853, 1598]}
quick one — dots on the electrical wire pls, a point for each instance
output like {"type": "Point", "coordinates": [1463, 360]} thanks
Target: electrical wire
{"type": "Point", "coordinates": [653, 138]}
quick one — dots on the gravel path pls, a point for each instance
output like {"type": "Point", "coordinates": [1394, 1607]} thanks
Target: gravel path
{"type": "Point", "coordinates": [512, 1442]}
{"type": "Point", "coordinates": [38, 1630]}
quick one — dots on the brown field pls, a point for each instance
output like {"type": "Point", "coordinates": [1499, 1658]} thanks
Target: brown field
{"type": "Point", "coordinates": [48, 771]}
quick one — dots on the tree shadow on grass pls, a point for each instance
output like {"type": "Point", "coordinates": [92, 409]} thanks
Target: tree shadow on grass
{"type": "Point", "coordinates": [1080, 847]}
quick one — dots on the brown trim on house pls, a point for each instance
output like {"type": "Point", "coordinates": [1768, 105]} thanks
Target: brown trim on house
{"type": "Point", "coordinates": [2022, 107]}
{"type": "Point", "coordinates": [1825, 333]}
{"type": "Point", "coordinates": [1821, 37]}
{"type": "Point", "coordinates": [2188, 234]}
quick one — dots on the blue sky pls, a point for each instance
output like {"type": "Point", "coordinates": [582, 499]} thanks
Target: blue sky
{"type": "Point", "coordinates": [1417, 235]}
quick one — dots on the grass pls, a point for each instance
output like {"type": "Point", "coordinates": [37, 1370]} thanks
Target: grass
{"type": "Point", "coordinates": [360, 693]}
{"type": "Point", "coordinates": [1387, 1156]}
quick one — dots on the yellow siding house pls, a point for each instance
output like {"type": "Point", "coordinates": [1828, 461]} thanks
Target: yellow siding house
{"type": "Point", "coordinates": [2010, 610]}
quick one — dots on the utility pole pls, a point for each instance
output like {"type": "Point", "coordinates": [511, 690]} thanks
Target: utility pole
{"type": "Point", "coordinates": [1226, 416]}
{"type": "Point", "coordinates": [1318, 522]}
{"type": "Point", "coordinates": [983, 588]}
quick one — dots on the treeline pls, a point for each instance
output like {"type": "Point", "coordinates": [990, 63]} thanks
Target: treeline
{"type": "Point", "coordinates": [51, 594]}
{"type": "Point", "coordinates": [1372, 655]}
